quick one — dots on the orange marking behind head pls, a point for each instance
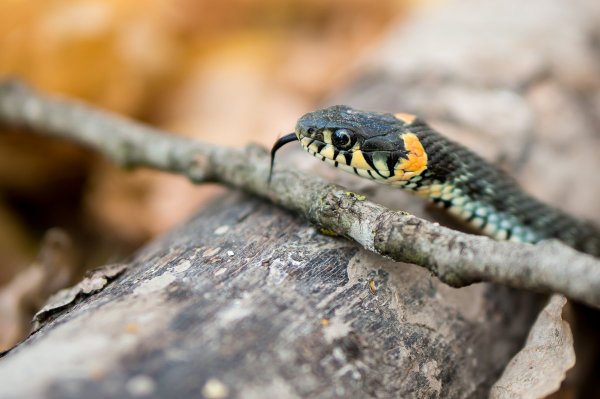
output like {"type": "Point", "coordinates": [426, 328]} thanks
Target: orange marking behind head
{"type": "Point", "coordinates": [416, 162]}
{"type": "Point", "coordinates": [406, 118]}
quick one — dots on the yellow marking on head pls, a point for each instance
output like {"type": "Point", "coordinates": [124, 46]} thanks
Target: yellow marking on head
{"type": "Point", "coordinates": [304, 141]}
{"type": "Point", "coordinates": [398, 175]}
{"type": "Point", "coordinates": [358, 161]}
{"type": "Point", "coordinates": [341, 159]}
{"type": "Point", "coordinates": [327, 136]}
{"type": "Point", "coordinates": [416, 162]}
{"type": "Point", "coordinates": [381, 166]}
{"type": "Point", "coordinates": [327, 151]}
{"type": "Point", "coordinates": [406, 118]}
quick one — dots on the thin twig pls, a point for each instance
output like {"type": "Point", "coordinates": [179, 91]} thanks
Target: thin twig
{"type": "Point", "coordinates": [456, 258]}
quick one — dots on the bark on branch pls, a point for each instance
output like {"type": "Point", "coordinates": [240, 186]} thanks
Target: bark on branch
{"type": "Point", "coordinates": [456, 258]}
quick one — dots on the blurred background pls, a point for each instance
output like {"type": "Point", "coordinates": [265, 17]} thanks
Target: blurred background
{"type": "Point", "coordinates": [228, 72]}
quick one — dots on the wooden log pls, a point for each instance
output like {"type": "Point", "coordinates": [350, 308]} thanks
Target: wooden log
{"type": "Point", "coordinates": [246, 300]}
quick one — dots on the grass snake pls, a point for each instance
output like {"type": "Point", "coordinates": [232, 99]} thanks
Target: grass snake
{"type": "Point", "coordinates": [403, 151]}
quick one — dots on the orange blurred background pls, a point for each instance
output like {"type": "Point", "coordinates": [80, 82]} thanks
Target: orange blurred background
{"type": "Point", "coordinates": [228, 72]}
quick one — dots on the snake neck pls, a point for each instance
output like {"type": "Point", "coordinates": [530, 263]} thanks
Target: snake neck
{"type": "Point", "coordinates": [491, 201]}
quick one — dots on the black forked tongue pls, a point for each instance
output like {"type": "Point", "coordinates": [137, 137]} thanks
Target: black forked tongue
{"type": "Point", "coordinates": [288, 138]}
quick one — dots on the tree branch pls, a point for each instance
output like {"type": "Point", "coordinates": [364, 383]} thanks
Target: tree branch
{"type": "Point", "coordinates": [456, 258]}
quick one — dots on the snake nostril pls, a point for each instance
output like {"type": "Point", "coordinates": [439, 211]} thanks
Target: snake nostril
{"type": "Point", "coordinates": [310, 131]}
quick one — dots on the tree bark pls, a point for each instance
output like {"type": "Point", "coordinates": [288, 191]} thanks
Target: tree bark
{"type": "Point", "coordinates": [249, 300]}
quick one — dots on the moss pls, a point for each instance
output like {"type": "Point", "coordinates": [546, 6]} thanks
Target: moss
{"type": "Point", "coordinates": [354, 195]}
{"type": "Point", "coordinates": [328, 232]}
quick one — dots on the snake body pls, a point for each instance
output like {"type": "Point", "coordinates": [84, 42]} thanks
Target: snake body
{"type": "Point", "coordinates": [403, 151]}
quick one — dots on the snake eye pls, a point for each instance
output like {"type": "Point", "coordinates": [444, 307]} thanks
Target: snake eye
{"type": "Point", "coordinates": [343, 139]}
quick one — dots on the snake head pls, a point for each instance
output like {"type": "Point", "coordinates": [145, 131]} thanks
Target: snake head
{"type": "Point", "coordinates": [374, 145]}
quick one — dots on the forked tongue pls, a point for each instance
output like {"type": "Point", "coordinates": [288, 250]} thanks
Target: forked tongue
{"type": "Point", "coordinates": [288, 138]}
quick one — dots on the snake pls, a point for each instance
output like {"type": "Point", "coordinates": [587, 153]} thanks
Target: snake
{"type": "Point", "coordinates": [401, 150]}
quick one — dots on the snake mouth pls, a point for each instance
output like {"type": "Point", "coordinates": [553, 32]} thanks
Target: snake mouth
{"type": "Point", "coordinates": [394, 163]}
{"type": "Point", "coordinates": [354, 160]}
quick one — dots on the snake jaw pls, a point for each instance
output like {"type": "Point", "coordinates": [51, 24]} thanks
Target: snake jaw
{"type": "Point", "coordinates": [401, 161]}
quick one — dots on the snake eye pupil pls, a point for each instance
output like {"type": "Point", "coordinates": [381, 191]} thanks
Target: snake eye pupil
{"type": "Point", "coordinates": [343, 138]}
